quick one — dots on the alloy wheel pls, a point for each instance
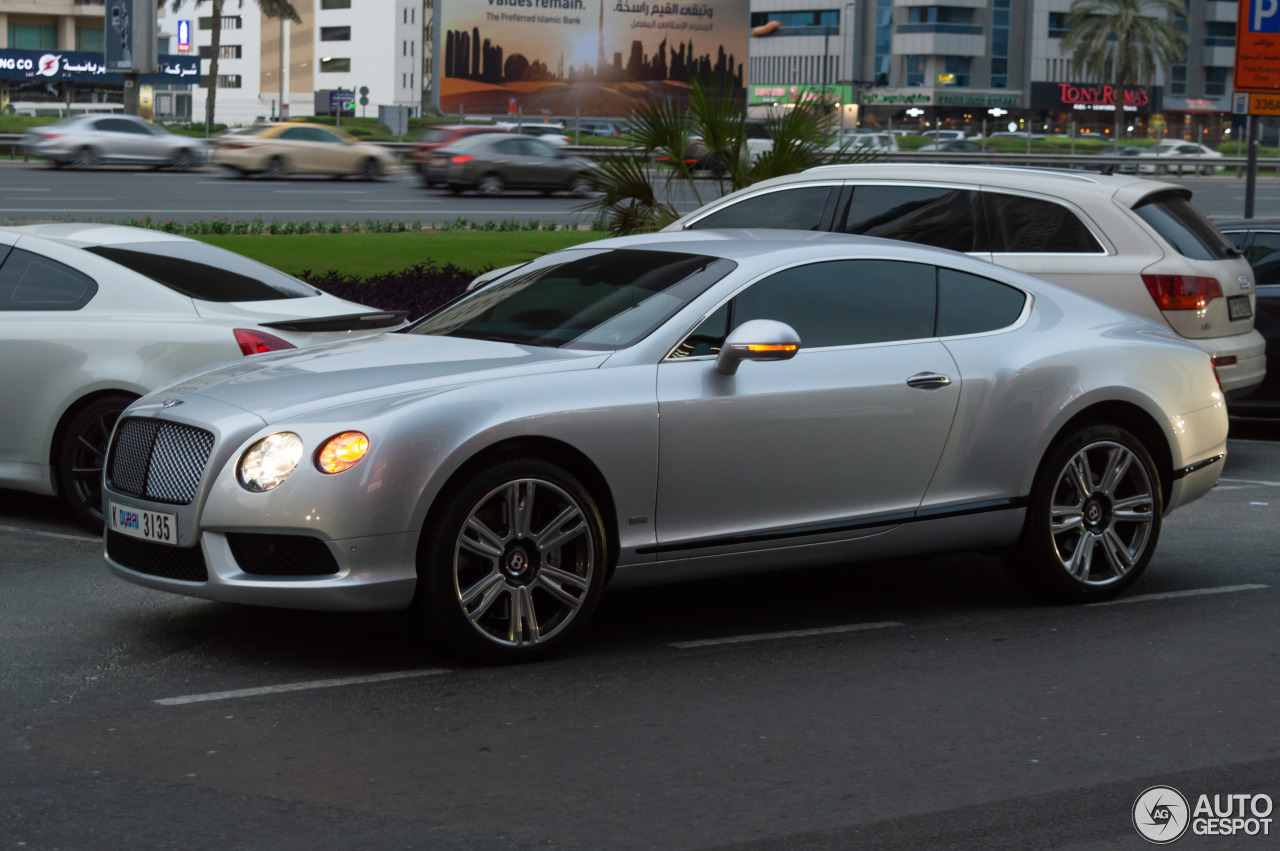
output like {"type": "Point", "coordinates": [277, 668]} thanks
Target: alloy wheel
{"type": "Point", "coordinates": [1101, 513]}
{"type": "Point", "coordinates": [524, 562]}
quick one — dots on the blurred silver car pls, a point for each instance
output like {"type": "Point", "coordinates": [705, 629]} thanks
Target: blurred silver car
{"type": "Point", "coordinates": [85, 141]}
{"type": "Point", "coordinates": [492, 163]}
{"type": "Point", "coordinates": [670, 406]}
{"type": "Point", "coordinates": [93, 316]}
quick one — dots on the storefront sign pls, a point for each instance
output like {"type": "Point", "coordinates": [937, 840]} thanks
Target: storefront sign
{"type": "Point", "coordinates": [979, 100]}
{"type": "Point", "coordinates": [799, 94]}
{"type": "Point", "coordinates": [83, 66]}
{"type": "Point", "coordinates": [896, 98]}
{"type": "Point", "coordinates": [1091, 96]}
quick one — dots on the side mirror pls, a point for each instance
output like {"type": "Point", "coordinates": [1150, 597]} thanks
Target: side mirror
{"type": "Point", "coordinates": [760, 340]}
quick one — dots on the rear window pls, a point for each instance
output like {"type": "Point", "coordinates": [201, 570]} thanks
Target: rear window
{"type": "Point", "coordinates": [1184, 227]}
{"type": "Point", "coordinates": [205, 272]}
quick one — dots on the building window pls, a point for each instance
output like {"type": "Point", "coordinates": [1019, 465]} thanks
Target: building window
{"type": "Point", "coordinates": [1215, 80]}
{"type": "Point", "coordinates": [957, 72]}
{"type": "Point", "coordinates": [1000, 45]}
{"type": "Point", "coordinates": [335, 4]}
{"type": "Point", "coordinates": [1220, 34]}
{"type": "Point", "coordinates": [32, 37]}
{"type": "Point", "coordinates": [800, 23]}
{"type": "Point", "coordinates": [229, 22]}
{"type": "Point", "coordinates": [1178, 80]}
{"type": "Point", "coordinates": [915, 70]}
{"type": "Point", "coordinates": [228, 81]}
{"type": "Point", "coordinates": [335, 33]}
{"type": "Point", "coordinates": [1058, 24]}
{"type": "Point", "coordinates": [89, 39]}
{"type": "Point", "coordinates": [939, 15]}
{"type": "Point", "coordinates": [884, 41]}
{"type": "Point", "coordinates": [330, 65]}
{"type": "Point", "coordinates": [225, 51]}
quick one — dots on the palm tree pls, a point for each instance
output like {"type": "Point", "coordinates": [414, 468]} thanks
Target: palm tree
{"type": "Point", "coordinates": [274, 9]}
{"type": "Point", "coordinates": [709, 132]}
{"type": "Point", "coordinates": [1124, 42]}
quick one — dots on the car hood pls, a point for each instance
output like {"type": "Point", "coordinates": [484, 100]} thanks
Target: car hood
{"type": "Point", "coordinates": [283, 384]}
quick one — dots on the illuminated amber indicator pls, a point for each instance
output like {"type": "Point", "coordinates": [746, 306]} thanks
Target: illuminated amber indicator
{"type": "Point", "coordinates": [342, 452]}
{"type": "Point", "coordinates": [781, 347]}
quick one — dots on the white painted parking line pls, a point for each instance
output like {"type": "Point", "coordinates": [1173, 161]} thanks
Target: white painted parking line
{"type": "Point", "coordinates": [773, 636]}
{"type": "Point", "coordinates": [307, 686]}
{"type": "Point", "coordinates": [1170, 595]}
{"type": "Point", "coordinates": [20, 531]}
{"type": "Point", "coordinates": [1251, 482]}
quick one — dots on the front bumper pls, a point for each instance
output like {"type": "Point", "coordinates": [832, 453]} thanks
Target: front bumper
{"type": "Point", "coordinates": [373, 574]}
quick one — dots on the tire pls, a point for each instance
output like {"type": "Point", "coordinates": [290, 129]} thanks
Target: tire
{"type": "Point", "coordinates": [476, 566]}
{"type": "Point", "coordinates": [581, 186]}
{"type": "Point", "coordinates": [275, 169]}
{"type": "Point", "coordinates": [86, 157]}
{"type": "Point", "coordinates": [491, 184]}
{"type": "Point", "coordinates": [371, 169]}
{"type": "Point", "coordinates": [185, 160]}
{"type": "Point", "coordinates": [1094, 516]}
{"type": "Point", "coordinates": [81, 455]}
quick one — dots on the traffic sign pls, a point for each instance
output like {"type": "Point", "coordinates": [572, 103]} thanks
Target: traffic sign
{"type": "Point", "coordinates": [1264, 104]}
{"type": "Point", "coordinates": [1258, 46]}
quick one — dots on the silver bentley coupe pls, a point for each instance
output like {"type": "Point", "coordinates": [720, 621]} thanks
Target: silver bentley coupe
{"type": "Point", "coordinates": [670, 406]}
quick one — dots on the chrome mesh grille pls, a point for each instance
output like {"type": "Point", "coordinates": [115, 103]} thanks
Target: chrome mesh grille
{"type": "Point", "coordinates": [158, 460]}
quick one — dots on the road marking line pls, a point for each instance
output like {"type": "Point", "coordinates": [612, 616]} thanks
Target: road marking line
{"type": "Point", "coordinates": [1169, 595]}
{"type": "Point", "coordinates": [21, 531]}
{"type": "Point", "coordinates": [322, 191]}
{"type": "Point", "coordinates": [1251, 482]}
{"type": "Point", "coordinates": [771, 636]}
{"type": "Point", "coordinates": [313, 684]}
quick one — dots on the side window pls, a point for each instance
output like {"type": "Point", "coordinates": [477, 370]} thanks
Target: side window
{"type": "Point", "coordinates": [836, 303]}
{"type": "Point", "coordinates": [295, 134]}
{"type": "Point", "coordinates": [31, 282]}
{"type": "Point", "coordinates": [1237, 238]}
{"type": "Point", "coordinates": [510, 147]}
{"type": "Point", "coordinates": [939, 216]}
{"type": "Point", "coordinates": [1020, 225]}
{"type": "Point", "coordinates": [791, 209]}
{"type": "Point", "coordinates": [1264, 257]}
{"type": "Point", "coordinates": [969, 304]}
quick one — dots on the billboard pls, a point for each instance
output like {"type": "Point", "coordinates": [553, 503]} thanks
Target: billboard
{"type": "Point", "coordinates": [1258, 46]}
{"type": "Point", "coordinates": [83, 66]}
{"type": "Point", "coordinates": [591, 57]}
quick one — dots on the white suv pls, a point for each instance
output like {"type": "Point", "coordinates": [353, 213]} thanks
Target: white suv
{"type": "Point", "coordinates": [1133, 243]}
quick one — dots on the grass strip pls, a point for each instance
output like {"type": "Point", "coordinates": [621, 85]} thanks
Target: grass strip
{"type": "Point", "coordinates": [365, 254]}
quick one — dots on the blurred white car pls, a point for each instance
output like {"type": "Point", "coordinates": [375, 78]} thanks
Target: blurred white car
{"type": "Point", "coordinates": [93, 316]}
{"type": "Point", "coordinates": [1178, 149]}
{"type": "Point", "coordinates": [856, 142]}
{"type": "Point", "coordinates": [85, 141]}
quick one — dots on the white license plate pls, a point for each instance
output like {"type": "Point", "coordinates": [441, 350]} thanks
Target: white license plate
{"type": "Point", "coordinates": [1238, 307]}
{"type": "Point", "coordinates": [140, 523]}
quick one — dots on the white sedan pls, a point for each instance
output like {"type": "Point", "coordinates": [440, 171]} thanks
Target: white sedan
{"type": "Point", "coordinates": [94, 316]}
{"type": "Point", "coordinates": [1176, 149]}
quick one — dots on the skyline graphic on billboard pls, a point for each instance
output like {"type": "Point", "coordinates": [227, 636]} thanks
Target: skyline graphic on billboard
{"type": "Point", "coordinates": [595, 57]}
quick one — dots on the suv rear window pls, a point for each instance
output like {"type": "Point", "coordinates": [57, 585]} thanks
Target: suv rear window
{"type": "Point", "coordinates": [1184, 227]}
{"type": "Point", "coordinates": [204, 271]}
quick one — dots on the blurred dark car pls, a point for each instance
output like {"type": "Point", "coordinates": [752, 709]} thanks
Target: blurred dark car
{"type": "Point", "coordinates": [603, 128]}
{"type": "Point", "coordinates": [494, 163]}
{"type": "Point", "coordinates": [438, 137]}
{"type": "Point", "coordinates": [955, 146]}
{"type": "Point", "coordinates": [1259, 239]}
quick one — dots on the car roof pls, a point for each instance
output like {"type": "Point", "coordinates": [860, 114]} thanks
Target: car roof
{"type": "Point", "coordinates": [84, 234]}
{"type": "Point", "coordinates": [1054, 181]}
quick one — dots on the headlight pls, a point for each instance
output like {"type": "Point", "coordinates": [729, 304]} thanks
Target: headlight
{"type": "Point", "coordinates": [270, 461]}
{"type": "Point", "coordinates": [342, 452]}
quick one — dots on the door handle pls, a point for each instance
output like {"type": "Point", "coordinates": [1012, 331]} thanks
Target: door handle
{"type": "Point", "coordinates": [928, 381]}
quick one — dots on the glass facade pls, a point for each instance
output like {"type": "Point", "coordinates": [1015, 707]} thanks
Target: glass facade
{"type": "Point", "coordinates": [1000, 45]}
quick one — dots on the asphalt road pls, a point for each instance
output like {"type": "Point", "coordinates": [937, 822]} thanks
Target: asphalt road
{"type": "Point", "coordinates": [924, 705]}
{"type": "Point", "coordinates": [33, 192]}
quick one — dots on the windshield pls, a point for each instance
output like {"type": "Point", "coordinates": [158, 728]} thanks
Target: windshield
{"type": "Point", "coordinates": [600, 300]}
{"type": "Point", "coordinates": [205, 271]}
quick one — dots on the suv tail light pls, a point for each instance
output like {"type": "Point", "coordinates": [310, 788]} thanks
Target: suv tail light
{"type": "Point", "coordinates": [257, 342]}
{"type": "Point", "coordinates": [1182, 292]}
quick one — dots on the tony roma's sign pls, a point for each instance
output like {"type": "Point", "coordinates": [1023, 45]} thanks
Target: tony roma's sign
{"type": "Point", "coordinates": [1092, 96]}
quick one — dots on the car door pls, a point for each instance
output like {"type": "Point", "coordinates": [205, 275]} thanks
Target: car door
{"type": "Point", "coordinates": [511, 160]}
{"type": "Point", "coordinates": [547, 166]}
{"type": "Point", "coordinates": [296, 146]}
{"type": "Point", "coordinates": [843, 436]}
{"type": "Point", "coordinates": [122, 140]}
{"type": "Point", "coordinates": [331, 154]}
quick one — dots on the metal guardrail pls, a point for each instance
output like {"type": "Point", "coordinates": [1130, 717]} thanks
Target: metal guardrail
{"type": "Point", "coordinates": [1173, 166]}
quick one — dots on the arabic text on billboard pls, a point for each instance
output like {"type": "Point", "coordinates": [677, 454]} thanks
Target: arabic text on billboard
{"type": "Point", "coordinates": [594, 57]}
